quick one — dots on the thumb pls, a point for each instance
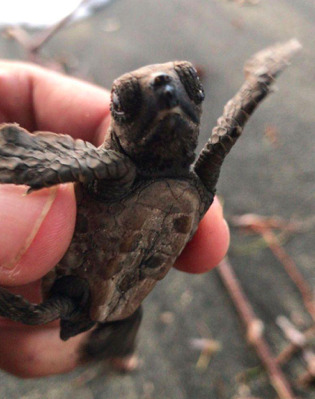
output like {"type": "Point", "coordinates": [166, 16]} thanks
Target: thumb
{"type": "Point", "coordinates": [36, 230]}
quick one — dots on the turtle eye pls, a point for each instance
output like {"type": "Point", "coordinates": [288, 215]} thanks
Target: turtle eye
{"type": "Point", "coordinates": [190, 80]}
{"type": "Point", "coordinates": [116, 105]}
{"type": "Point", "coordinates": [125, 99]}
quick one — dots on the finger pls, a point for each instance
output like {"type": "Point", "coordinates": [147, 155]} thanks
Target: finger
{"type": "Point", "coordinates": [37, 351]}
{"type": "Point", "coordinates": [209, 245]}
{"type": "Point", "coordinates": [44, 100]}
{"type": "Point", "coordinates": [35, 231]}
{"type": "Point", "coordinates": [39, 99]}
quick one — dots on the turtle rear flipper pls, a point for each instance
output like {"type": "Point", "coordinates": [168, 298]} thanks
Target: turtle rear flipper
{"type": "Point", "coordinates": [68, 301]}
{"type": "Point", "coordinates": [44, 159]}
{"type": "Point", "coordinates": [114, 339]}
{"type": "Point", "coordinates": [260, 72]}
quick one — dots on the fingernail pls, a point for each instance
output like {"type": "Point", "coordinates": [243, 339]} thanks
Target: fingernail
{"type": "Point", "coordinates": [20, 218]}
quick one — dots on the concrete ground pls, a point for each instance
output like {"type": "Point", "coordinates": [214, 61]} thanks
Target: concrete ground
{"type": "Point", "coordinates": [258, 177]}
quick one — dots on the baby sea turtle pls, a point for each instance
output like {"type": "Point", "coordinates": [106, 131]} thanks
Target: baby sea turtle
{"type": "Point", "coordinates": [140, 195]}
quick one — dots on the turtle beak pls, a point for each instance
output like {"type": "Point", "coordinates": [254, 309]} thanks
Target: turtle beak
{"type": "Point", "coordinates": [170, 95]}
{"type": "Point", "coordinates": [189, 111]}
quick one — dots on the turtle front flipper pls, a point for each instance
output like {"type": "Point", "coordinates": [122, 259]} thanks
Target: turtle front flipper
{"type": "Point", "coordinates": [44, 159]}
{"type": "Point", "coordinates": [260, 72]}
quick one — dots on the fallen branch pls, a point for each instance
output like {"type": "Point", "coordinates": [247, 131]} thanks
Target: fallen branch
{"type": "Point", "coordinates": [265, 227]}
{"type": "Point", "coordinates": [32, 44]}
{"type": "Point", "coordinates": [286, 354]}
{"type": "Point", "coordinates": [299, 340]}
{"type": "Point", "coordinates": [254, 328]}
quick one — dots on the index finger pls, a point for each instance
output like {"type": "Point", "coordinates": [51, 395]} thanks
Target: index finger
{"type": "Point", "coordinates": [39, 99]}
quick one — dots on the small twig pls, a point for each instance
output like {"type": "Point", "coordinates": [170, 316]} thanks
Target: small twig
{"type": "Point", "coordinates": [44, 36]}
{"type": "Point", "coordinates": [292, 271]}
{"type": "Point", "coordinates": [305, 379]}
{"type": "Point", "coordinates": [207, 347]}
{"type": "Point", "coordinates": [254, 330]}
{"type": "Point", "coordinates": [292, 334]}
{"type": "Point", "coordinates": [299, 340]}
{"type": "Point", "coordinates": [32, 44]}
{"type": "Point", "coordinates": [251, 221]}
{"type": "Point", "coordinates": [286, 354]}
{"type": "Point", "coordinates": [265, 227]}
{"type": "Point", "coordinates": [309, 376]}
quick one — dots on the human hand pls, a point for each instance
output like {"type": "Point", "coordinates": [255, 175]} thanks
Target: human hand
{"type": "Point", "coordinates": [37, 229]}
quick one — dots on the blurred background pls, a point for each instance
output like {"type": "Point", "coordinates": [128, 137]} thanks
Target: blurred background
{"type": "Point", "coordinates": [192, 343]}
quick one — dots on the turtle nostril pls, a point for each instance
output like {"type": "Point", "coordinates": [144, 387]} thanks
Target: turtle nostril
{"type": "Point", "coordinates": [161, 79]}
{"type": "Point", "coordinates": [169, 92]}
{"type": "Point", "coordinates": [169, 97]}
{"type": "Point", "coordinates": [164, 90]}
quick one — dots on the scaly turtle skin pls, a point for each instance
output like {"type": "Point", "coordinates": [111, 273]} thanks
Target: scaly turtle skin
{"type": "Point", "coordinates": [140, 196]}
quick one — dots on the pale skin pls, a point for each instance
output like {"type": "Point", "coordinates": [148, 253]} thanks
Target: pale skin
{"type": "Point", "coordinates": [37, 229]}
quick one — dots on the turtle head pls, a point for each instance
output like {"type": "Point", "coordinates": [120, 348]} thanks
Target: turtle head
{"type": "Point", "coordinates": [156, 115]}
